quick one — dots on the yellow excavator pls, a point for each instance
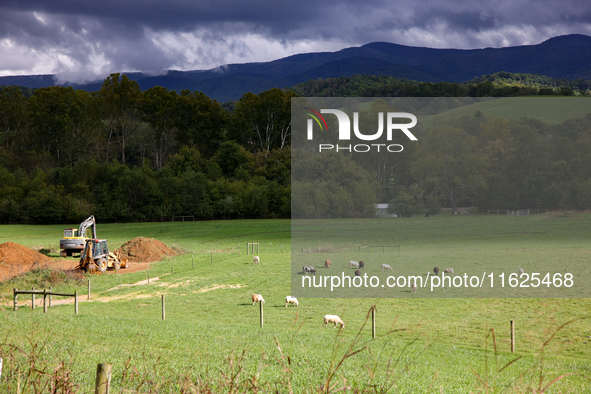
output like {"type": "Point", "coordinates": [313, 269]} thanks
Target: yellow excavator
{"type": "Point", "coordinates": [74, 239]}
{"type": "Point", "coordinates": [96, 257]}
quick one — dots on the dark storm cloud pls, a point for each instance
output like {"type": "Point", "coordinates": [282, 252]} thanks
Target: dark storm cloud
{"type": "Point", "coordinates": [79, 38]}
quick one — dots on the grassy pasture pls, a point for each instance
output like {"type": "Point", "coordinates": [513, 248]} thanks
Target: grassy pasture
{"type": "Point", "coordinates": [211, 340]}
{"type": "Point", "coordinates": [550, 110]}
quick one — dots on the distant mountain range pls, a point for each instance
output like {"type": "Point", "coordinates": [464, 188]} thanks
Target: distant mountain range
{"type": "Point", "coordinates": [566, 57]}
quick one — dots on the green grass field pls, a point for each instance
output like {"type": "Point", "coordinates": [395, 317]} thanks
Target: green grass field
{"type": "Point", "coordinates": [550, 110]}
{"type": "Point", "coordinates": [211, 340]}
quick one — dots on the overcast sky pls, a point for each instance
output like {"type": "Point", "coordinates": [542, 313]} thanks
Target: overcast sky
{"type": "Point", "coordinates": [80, 40]}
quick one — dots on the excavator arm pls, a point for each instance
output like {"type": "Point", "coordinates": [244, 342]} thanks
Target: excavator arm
{"type": "Point", "coordinates": [88, 223]}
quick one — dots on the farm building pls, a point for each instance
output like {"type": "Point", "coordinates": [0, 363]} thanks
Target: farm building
{"type": "Point", "coordinates": [382, 211]}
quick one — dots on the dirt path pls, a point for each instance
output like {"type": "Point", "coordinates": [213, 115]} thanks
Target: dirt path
{"type": "Point", "coordinates": [161, 289]}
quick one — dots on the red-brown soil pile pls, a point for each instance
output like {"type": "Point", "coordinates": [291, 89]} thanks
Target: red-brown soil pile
{"type": "Point", "coordinates": [16, 259]}
{"type": "Point", "coordinates": [145, 250]}
{"type": "Point", "coordinates": [11, 253]}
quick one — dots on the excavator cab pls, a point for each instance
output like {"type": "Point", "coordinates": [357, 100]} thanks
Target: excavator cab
{"type": "Point", "coordinates": [70, 232]}
{"type": "Point", "coordinates": [74, 238]}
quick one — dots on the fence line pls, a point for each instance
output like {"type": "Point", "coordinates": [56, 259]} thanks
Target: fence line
{"type": "Point", "coordinates": [510, 212]}
{"type": "Point", "coordinates": [46, 293]}
{"type": "Point", "coordinates": [383, 247]}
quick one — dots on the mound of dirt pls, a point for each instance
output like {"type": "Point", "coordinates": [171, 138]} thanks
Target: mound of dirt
{"type": "Point", "coordinates": [143, 249]}
{"type": "Point", "coordinates": [15, 254]}
{"type": "Point", "coordinates": [17, 259]}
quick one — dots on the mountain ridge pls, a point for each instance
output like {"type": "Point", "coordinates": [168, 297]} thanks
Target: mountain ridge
{"type": "Point", "coordinates": [567, 57]}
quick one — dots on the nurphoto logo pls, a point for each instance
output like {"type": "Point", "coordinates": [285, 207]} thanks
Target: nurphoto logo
{"type": "Point", "coordinates": [344, 130]}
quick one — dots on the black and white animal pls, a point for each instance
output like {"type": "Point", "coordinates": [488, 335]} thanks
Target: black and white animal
{"type": "Point", "coordinates": [436, 270]}
{"type": "Point", "coordinates": [309, 270]}
{"type": "Point", "coordinates": [448, 271]}
{"type": "Point", "coordinates": [521, 271]}
{"type": "Point", "coordinates": [414, 287]}
{"type": "Point", "coordinates": [361, 264]}
{"type": "Point", "coordinates": [256, 260]}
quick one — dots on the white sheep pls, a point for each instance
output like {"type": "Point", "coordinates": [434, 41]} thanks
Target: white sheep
{"type": "Point", "coordinates": [291, 300]}
{"type": "Point", "coordinates": [448, 271]}
{"type": "Point", "coordinates": [256, 260]}
{"type": "Point", "coordinates": [414, 287]}
{"type": "Point", "coordinates": [521, 271]}
{"type": "Point", "coordinates": [257, 298]}
{"type": "Point", "coordinates": [353, 264]}
{"type": "Point", "coordinates": [333, 319]}
{"type": "Point", "coordinates": [386, 267]}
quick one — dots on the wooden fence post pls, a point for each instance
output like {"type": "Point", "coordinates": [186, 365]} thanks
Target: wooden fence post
{"type": "Point", "coordinates": [44, 301]}
{"type": "Point", "coordinates": [15, 299]}
{"type": "Point", "coordinates": [33, 299]}
{"type": "Point", "coordinates": [261, 306]}
{"type": "Point", "coordinates": [88, 296]}
{"type": "Point", "coordinates": [163, 308]}
{"type": "Point", "coordinates": [373, 321]}
{"type": "Point", "coordinates": [103, 378]}
{"type": "Point", "coordinates": [512, 337]}
{"type": "Point", "coordinates": [76, 302]}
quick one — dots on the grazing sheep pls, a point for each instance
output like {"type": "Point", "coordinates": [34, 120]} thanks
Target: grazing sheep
{"type": "Point", "coordinates": [256, 260]}
{"type": "Point", "coordinates": [257, 298]}
{"type": "Point", "coordinates": [357, 273]}
{"type": "Point", "coordinates": [291, 300]}
{"type": "Point", "coordinates": [361, 264]}
{"type": "Point", "coordinates": [436, 270]}
{"type": "Point", "coordinates": [520, 271]}
{"type": "Point", "coordinates": [448, 271]}
{"type": "Point", "coordinates": [309, 270]}
{"type": "Point", "coordinates": [414, 287]}
{"type": "Point", "coordinates": [327, 263]}
{"type": "Point", "coordinates": [386, 267]}
{"type": "Point", "coordinates": [333, 319]}
{"type": "Point", "coordinates": [353, 264]}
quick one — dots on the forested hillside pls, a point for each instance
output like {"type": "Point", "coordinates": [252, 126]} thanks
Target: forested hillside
{"type": "Point", "coordinates": [463, 158]}
{"type": "Point", "coordinates": [127, 155]}
{"type": "Point", "coordinates": [502, 84]}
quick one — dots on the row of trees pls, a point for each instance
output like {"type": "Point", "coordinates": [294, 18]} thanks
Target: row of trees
{"type": "Point", "coordinates": [58, 126]}
{"type": "Point", "coordinates": [127, 155]}
{"type": "Point", "coordinates": [494, 85]}
{"type": "Point", "coordinates": [233, 184]}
